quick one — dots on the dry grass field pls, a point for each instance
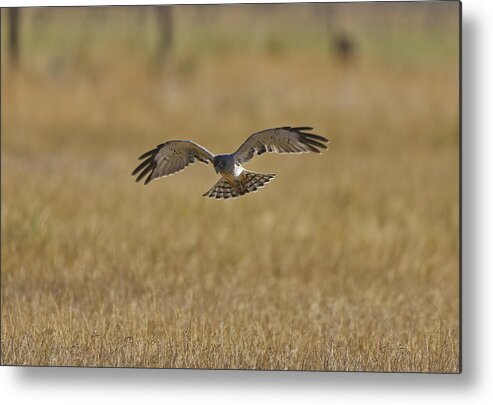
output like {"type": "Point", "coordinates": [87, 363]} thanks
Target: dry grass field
{"type": "Point", "coordinates": [346, 261]}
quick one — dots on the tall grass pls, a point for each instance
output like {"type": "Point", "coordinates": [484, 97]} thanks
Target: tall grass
{"type": "Point", "coordinates": [347, 261]}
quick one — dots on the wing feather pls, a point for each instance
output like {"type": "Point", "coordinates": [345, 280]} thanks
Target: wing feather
{"type": "Point", "coordinates": [280, 140]}
{"type": "Point", "coordinates": [169, 158]}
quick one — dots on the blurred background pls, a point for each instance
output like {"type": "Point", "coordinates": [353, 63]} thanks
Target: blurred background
{"type": "Point", "coordinates": [347, 261]}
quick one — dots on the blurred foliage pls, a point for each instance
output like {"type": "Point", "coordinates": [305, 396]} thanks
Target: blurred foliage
{"type": "Point", "coordinates": [411, 33]}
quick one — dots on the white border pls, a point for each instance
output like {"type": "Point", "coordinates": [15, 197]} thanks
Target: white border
{"type": "Point", "coordinates": [32, 3]}
{"type": "Point", "coordinates": [83, 386]}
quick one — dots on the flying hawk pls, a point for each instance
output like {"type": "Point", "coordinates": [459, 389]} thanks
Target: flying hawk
{"type": "Point", "coordinates": [173, 156]}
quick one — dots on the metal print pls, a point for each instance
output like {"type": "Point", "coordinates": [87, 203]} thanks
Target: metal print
{"type": "Point", "coordinates": [349, 261]}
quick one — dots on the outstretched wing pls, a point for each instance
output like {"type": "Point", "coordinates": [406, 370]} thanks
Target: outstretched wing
{"type": "Point", "coordinates": [280, 140]}
{"type": "Point", "coordinates": [170, 157]}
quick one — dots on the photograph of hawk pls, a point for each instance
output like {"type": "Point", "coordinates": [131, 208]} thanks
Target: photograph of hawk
{"type": "Point", "coordinates": [173, 156]}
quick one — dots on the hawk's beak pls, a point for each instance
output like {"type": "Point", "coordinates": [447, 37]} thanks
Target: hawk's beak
{"type": "Point", "coordinates": [215, 168]}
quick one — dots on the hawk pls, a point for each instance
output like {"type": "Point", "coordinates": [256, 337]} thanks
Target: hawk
{"type": "Point", "coordinates": [173, 156]}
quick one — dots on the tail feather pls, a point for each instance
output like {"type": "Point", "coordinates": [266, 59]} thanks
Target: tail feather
{"type": "Point", "coordinates": [249, 182]}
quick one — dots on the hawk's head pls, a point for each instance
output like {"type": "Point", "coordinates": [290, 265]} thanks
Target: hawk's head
{"type": "Point", "coordinates": [222, 163]}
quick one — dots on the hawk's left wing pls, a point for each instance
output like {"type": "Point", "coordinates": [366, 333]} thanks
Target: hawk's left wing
{"type": "Point", "coordinates": [280, 140]}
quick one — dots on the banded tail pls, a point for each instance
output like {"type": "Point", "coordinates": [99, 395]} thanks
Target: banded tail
{"type": "Point", "coordinates": [249, 182]}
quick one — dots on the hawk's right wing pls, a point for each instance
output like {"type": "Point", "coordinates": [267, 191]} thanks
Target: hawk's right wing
{"type": "Point", "coordinates": [169, 158]}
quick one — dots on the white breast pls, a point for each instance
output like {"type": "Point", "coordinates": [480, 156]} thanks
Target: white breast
{"type": "Point", "coordinates": [238, 169]}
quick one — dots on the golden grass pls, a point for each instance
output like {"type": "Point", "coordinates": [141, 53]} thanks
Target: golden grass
{"type": "Point", "coordinates": [347, 261]}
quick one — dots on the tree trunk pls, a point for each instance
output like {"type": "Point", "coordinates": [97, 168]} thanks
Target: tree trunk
{"type": "Point", "coordinates": [165, 29]}
{"type": "Point", "coordinates": [14, 35]}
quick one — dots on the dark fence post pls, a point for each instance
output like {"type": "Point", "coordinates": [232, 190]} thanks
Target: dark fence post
{"type": "Point", "coordinates": [14, 16]}
{"type": "Point", "coordinates": [344, 47]}
{"type": "Point", "coordinates": [165, 29]}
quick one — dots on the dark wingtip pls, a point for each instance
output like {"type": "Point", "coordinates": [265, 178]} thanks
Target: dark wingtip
{"type": "Point", "coordinates": [315, 137]}
{"type": "Point", "coordinates": [147, 154]}
{"type": "Point", "coordinates": [299, 129]}
{"type": "Point", "coordinates": [151, 152]}
{"type": "Point", "coordinates": [146, 166]}
{"type": "Point", "coordinates": [311, 137]}
{"type": "Point", "coordinates": [312, 144]}
{"type": "Point", "coordinates": [148, 180]}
